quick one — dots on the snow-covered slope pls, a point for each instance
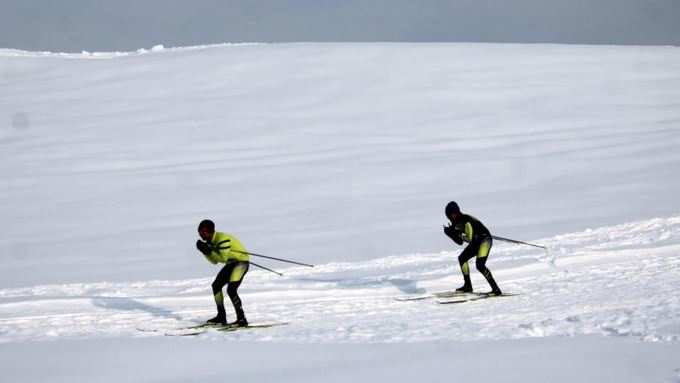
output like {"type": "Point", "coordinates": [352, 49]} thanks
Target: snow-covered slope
{"type": "Point", "coordinates": [619, 281]}
{"type": "Point", "coordinates": [322, 152]}
{"type": "Point", "coordinates": [341, 155]}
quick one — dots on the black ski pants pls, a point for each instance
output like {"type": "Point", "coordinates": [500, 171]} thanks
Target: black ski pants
{"type": "Point", "coordinates": [479, 249]}
{"type": "Point", "coordinates": [232, 275]}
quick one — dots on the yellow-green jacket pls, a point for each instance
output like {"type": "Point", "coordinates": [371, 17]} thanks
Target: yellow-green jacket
{"type": "Point", "coordinates": [226, 248]}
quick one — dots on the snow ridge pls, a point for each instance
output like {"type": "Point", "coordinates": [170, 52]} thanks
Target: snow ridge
{"type": "Point", "coordinates": [5, 52]}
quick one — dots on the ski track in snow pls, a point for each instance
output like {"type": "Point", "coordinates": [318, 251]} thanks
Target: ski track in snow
{"type": "Point", "coordinates": [615, 281]}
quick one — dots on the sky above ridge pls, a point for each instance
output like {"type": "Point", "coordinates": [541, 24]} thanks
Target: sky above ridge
{"type": "Point", "coordinates": [97, 25]}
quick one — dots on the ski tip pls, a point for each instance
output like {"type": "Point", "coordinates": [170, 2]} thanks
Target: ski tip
{"type": "Point", "coordinates": [411, 299]}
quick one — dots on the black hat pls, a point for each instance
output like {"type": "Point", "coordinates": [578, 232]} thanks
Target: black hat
{"type": "Point", "coordinates": [451, 208]}
{"type": "Point", "coordinates": [206, 224]}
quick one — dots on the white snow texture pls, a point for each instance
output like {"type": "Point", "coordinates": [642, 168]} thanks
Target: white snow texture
{"type": "Point", "coordinates": [341, 155]}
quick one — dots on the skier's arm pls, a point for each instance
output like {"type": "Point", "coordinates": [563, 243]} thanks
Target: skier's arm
{"type": "Point", "coordinates": [468, 233]}
{"type": "Point", "coordinates": [224, 249]}
{"type": "Point", "coordinates": [454, 234]}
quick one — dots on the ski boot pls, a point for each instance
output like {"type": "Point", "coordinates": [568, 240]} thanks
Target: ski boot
{"type": "Point", "coordinates": [494, 288]}
{"type": "Point", "coordinates": [464, 289]}
{"type": "Point", "coordinates": [467, 286]}
{"type": "Point", "coordinates": [241, 322]}
{"type": "Point", "coordinates": [220, 319]}
{"type": "Point", "coordinates": [492, 283]}
{"type": "Point", "coordinates": [238, 309]}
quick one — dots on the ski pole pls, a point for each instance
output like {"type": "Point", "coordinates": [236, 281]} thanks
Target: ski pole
{"type": "Point", "coordinates": [518, 242]}
{"type": "Point", "coordinates": [264, 268]}
{"type": "Point", "coordinates": [276, 259]}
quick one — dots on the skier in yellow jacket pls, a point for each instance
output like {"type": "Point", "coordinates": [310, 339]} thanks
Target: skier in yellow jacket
{"type": "Point", "coordinates": [224, 248]}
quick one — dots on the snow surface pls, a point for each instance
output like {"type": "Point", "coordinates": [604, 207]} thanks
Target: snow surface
{"type": "Point", "coordinates": [560, 360]}
{"type": "Point", "coordinates": [342, 155]}
{"type": "Point", "coordinates": [593, 287]}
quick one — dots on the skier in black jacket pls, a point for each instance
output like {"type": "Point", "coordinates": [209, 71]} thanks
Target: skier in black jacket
{"type": "Point", "coordinates": [466, 228]}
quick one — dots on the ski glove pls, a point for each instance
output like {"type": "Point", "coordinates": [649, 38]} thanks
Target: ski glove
{"type": "Point", "coordinates": [204, 247]}
{"type": "Point", "coordinates": [454, 234]}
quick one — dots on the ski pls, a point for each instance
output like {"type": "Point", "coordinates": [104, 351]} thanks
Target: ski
{"type": "Point", "coordinates": [198, 330]}
{"type": "Point", "coordinates": [439, 294]}
{"type": "Point", "coordinates": [250, 326]}
{"type": "Point", "coordinates": [187, 329]}
{"type": "Point", "coordinates": [473, 297]}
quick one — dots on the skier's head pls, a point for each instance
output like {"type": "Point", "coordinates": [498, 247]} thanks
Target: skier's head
{"type": "Point", "coordinates": [452, 210]}
{"type": "Point", "coordinates": [206, 229]}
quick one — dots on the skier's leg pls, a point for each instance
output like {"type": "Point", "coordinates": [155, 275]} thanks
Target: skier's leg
{"type": "Point", "coordinates": [463, 259]}
{"type": "Point", "coordinates": [482, 256]}
{"type": "Point", "coordinates": [221, 279]}
{"type": "Point", "coordinates": [235, 280]}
